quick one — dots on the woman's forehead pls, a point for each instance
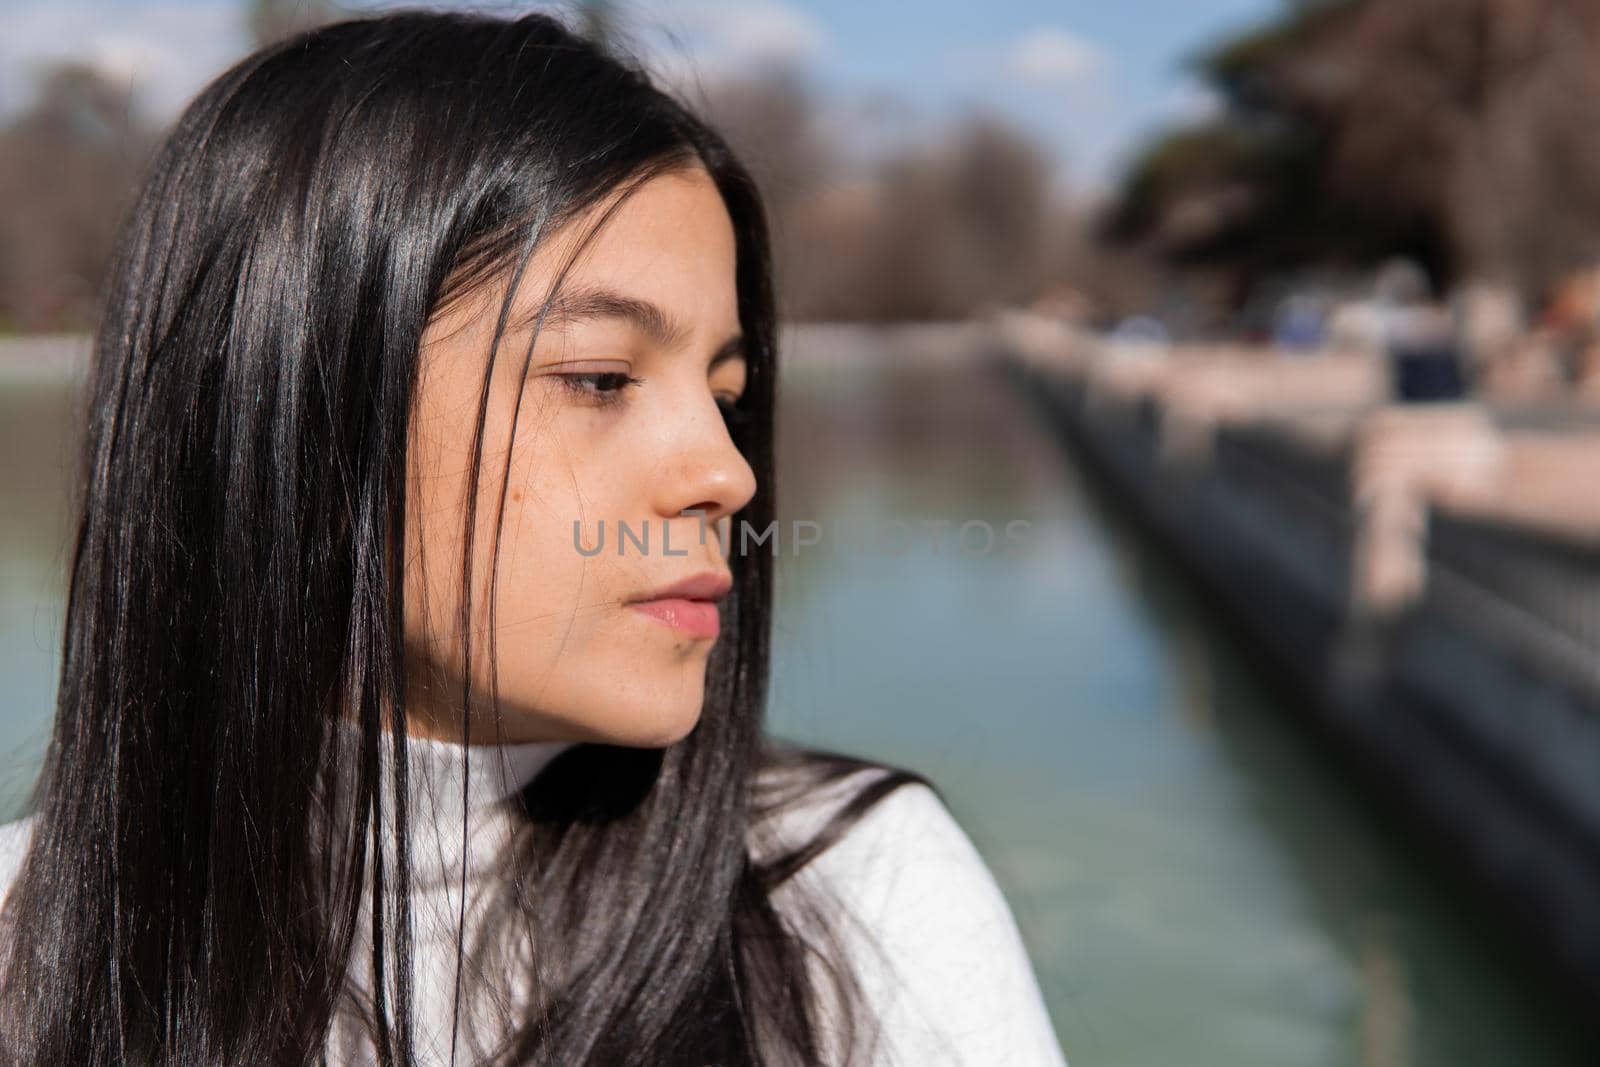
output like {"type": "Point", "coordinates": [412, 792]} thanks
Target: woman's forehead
{"type": "Point", "coordinates": [663, 261]}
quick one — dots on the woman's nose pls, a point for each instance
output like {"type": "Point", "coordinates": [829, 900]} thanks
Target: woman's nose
{"type": "Point", "coordinates": [705, 471]}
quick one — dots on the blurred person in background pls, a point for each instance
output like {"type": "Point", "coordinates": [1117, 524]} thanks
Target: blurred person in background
{"type": "Point", "coordinates": [1418, 335]}
{"type": "Point", "coordinates": [1299, 323]}
{"type": "Point", "coordinates": [1572, 319]}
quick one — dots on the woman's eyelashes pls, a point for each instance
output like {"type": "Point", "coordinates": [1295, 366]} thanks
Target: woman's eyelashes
{"type": "Point", "coordinates": [606, 389]}
{"type": "Point", "coordinates": [600, 388]}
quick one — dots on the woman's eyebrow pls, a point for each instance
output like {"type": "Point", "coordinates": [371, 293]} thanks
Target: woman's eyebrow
{"type": "Point", "coordinates": [580, 303]}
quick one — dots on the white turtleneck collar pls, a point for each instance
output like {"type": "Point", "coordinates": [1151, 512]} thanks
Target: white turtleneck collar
{"type": "Point", "coordinates": [448, 784]}
{"type": "Point", "coordinates": [446, 779]}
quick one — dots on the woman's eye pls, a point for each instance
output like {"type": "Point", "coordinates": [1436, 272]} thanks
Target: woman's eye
{"type": "Point", "coordinates": [603, 387]}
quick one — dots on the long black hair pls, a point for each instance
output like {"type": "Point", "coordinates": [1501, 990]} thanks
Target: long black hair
{"type": "Point", "coordinates": [236, 583]}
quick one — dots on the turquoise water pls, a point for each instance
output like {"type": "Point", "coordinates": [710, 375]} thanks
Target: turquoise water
{"type": "Point", "coordinates": [1196, 883]}
{"type": "Point", "coordinates": [38, 416]}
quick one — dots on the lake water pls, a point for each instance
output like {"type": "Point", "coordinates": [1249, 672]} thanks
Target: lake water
{"type": "Point", "coordinates": [1196, 883]}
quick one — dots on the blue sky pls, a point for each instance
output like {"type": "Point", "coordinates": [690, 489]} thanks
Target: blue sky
{"type": "Point", "coordinates": [1088, 78]}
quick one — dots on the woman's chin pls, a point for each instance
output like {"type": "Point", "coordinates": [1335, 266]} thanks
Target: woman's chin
{"type": "Point", "coordinates": [658, 729]}
{"type": "Point", "coordinates": [629, 723]}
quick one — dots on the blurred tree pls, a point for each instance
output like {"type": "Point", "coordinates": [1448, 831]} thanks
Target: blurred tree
{"type": "Point", "coordinates": [773, 121]}
{"type": "Point", "coordinates": [936, 230]}
{"type": "Point", "coordinates": [1455, 132]}
{"type": "Point", "coordinates": [67, 168]}
{"type": "Point", "coordinates": [599, 22]}
{"type": "Point", "coordinates": [273, 20]}
{"type": "Point", "coordinates": [967, 223]}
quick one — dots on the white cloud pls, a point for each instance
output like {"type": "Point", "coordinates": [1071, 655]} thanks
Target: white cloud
{"type": "Point", "coordinates": [1042, 58]}
{"type": "Point", "coordinates": [761, 30]}
{"type": "Point", "coordinates": [165, 52]}
{"type": "Point", "coordinates": [1190, 101]}
{"type": "Point", "coordinates": [688, 40]}
{"type": "Point", "coordinates": [1050, 56]}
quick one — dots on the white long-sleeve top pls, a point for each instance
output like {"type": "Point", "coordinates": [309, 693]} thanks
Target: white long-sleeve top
{"type": "Point", "coordinates": [946, 974]}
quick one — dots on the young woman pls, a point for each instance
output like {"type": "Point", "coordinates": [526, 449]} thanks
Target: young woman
{"type": "Point", "coordinates": [363, 752]}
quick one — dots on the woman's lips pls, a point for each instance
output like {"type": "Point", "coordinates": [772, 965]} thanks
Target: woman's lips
{"type": "Point", "coordinates": [697, 617]}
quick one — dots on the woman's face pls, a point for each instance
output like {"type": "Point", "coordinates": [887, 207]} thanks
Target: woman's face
{"type": "Point", "coordinates": [619, 421]}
